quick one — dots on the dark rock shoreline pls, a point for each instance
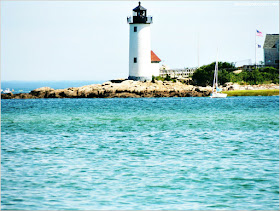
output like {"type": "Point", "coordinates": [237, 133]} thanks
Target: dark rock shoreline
{"type": "Point", "coordinates": [117, 89]}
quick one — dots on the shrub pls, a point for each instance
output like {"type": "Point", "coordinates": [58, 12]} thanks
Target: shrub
{"type": "Point", "coordinates": [160, 78]}
{"type": "Point", "coordinates": [204, 75]}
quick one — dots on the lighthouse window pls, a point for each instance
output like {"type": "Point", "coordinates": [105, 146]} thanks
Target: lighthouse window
{"type": "Point", "coordinates": [135, 28]}
{"type": "Point", "coordinates": [135, 59]}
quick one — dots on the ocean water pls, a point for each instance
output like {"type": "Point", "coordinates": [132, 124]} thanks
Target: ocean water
{"type": "Point", "coordinates": [150, 153]}
{"type": "Point", "coordinates": [27, 86]}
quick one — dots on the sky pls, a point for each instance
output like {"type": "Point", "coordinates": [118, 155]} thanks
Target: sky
{"type": "Point", "coordinates": [89, 40]}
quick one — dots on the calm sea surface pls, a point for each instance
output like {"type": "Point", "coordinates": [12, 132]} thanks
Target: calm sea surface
{"type": "Point", "coordinates": [165, 153]}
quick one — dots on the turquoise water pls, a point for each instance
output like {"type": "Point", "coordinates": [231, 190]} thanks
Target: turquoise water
{"type": "Point", "coordinates": [165, 153]}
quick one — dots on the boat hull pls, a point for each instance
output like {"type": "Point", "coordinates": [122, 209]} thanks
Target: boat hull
{"type": "Point", "coordinates": [218, 95]}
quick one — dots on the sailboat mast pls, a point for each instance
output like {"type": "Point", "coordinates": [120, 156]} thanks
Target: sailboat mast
{"type": "Point", "coordinates": [217, 64]}
{"type": "Point", "coordinates": [215, 81]}
{"type": "Point", "coordinates": [198, 50]}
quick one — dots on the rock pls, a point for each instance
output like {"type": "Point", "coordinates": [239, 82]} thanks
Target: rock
{"type": "Point", "coordinates": [24, 96]}
{"type": "Point", "coordinates": [159, 82]}
{"type": "Point", "coordinates": [119, 80]}
{"type": "Point", "coordinates": [203, 89]}
{"type": "Point", "coordinates": [128, 88]}
{"type": "Point", "coordinates": [126, 95]}
{"type": "Point", "coordinates": [106, 83]}
{"type": "Point", "coordinates": [228, 84]}
{"type": "Point", "coordinates": [43, 89]}
{"type": "Point", "coordinates": [233, 86]}
{"type": "Point", "coordinates": [7, 96]}
{"type": "Point", "coordinates": [250, 88]}
{"type": "Point", "coordinates": [197, 89]}
{"type": "Point", "coordinates": [127, 82]}
{"type": "Point", "coordinates": [41, 92]}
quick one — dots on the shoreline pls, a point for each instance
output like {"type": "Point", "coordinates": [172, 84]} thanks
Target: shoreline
{"type": "Point", "coordinates": [261, 92]}
{"type": "Point", "coordinates": [123, 88]}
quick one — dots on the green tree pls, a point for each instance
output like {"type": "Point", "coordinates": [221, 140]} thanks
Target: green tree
{"type": "Point", "coordinates": [204, 75]}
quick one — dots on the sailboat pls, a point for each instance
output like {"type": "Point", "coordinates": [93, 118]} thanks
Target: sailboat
{"type": "Point", "coordinates": [216, 92]}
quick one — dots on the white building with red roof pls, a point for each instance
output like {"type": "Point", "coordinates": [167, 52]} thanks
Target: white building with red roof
{"type": "Point", "coordinates": [155, 64]}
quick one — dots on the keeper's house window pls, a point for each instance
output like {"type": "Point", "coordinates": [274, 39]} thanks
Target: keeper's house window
{"type": "Point", "coordinates": [135, 59]}
{"type": "Point", "coordinates": [135, 28]}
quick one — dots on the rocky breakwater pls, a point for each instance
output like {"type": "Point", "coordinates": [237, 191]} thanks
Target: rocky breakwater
{"type": "Point", "coordinates": [120, 88]}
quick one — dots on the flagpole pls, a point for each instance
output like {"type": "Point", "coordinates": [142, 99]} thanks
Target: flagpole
{"type": "Point", "coordinates": [255, 50]}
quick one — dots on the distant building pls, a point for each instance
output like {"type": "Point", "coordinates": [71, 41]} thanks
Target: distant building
{"type": "Point", "coordinates": [155, 64]}
{"type": "Point", "coordinates": [163, 67]}
{"type": "Point", "coordinates": [177, 73]}
{"type": "Point", "coordinates": [271, 50]}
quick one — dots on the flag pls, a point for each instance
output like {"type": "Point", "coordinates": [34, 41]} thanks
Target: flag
{"type": "Point", "coordinates": [259, 33]}
{"type": "Point", "coordinates": [259, 46]}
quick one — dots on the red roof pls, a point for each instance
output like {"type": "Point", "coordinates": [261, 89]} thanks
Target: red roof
{"type": "Point", "coordinates": [154, 57]}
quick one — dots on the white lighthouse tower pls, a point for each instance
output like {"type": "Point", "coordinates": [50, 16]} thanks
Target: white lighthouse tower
{"type": "Point", "coordinates": [140, 67]}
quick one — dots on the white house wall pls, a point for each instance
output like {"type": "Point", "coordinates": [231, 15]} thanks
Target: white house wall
{"type": "Point", "coordinates": [155, 69]}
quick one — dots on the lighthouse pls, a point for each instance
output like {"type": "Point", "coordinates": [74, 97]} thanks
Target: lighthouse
{"type": "Point", "coordinates": [140, 67]}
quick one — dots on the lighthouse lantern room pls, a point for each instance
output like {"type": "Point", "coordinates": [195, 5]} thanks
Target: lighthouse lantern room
{"type": "Point", "coordinates": [140, 68]}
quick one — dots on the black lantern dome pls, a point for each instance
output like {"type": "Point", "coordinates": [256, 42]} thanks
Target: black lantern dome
{"type": "Point", "coordinates": [139, 8]}
{"type": "Point", "coordinates": [140, 15]}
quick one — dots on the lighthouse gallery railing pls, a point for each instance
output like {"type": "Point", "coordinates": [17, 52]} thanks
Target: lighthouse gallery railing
{"type": "Point", "coordinates": [149, 19]}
